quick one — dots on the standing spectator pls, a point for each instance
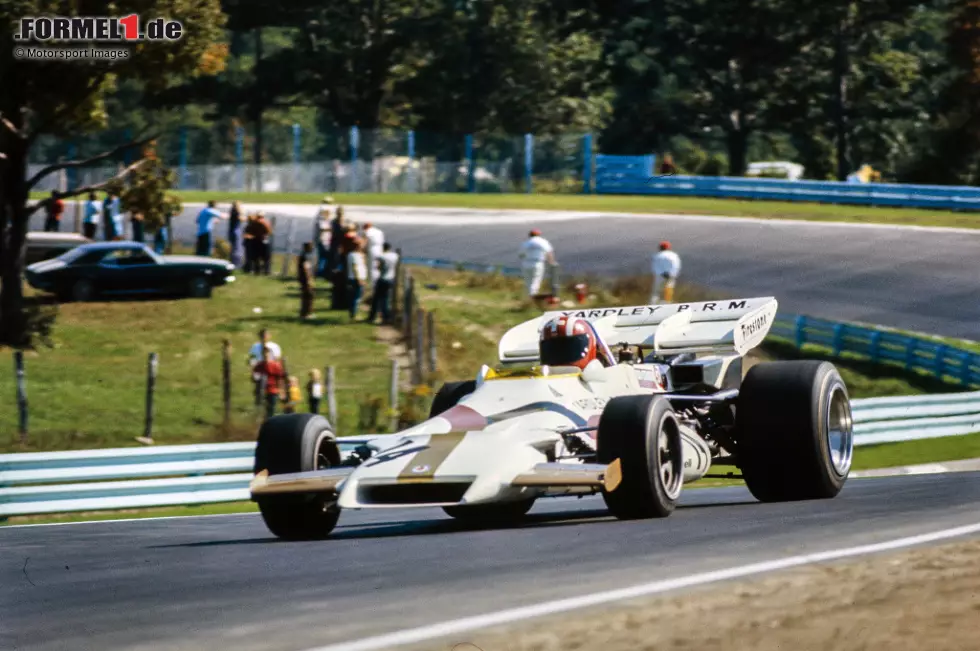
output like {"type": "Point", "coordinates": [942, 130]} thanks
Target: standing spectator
{"type": "Point", "coordinates": [322, 237]}
{"type": "Point", "coordinates": [338, 228]}
{"type": "Point", "coordinates": [263, 244]}
{"type": "Point", "coordinates": [380, 298]}
{"type": "Point", "coordinates": [666, 268]}
{"type": "Point", "coordinates": [90, 224]}
{"type": "Point", "coordinates": [357, 276]}
{"type": "Point", "coordinates": [235, 228]}
{"type": "Point", "coordinates": [111, 218]}
{"type": "Point", "coordinates": [251, 259]}
{"type": "Point", "coordinates": [667, 166]}
{"type": "Point", "coordinates": [205, 226]}
{"type": "Point", "coordinates": [314, 391]}
{"type": "Point", "coordinates": [271, 370]}
{"type": "Point", "coordinates": [136, 220]}
{"type": "Point", "coordinates": [160, 240]}
{"type": "Point", "coordinates": [374, 239]}
{"type": "Point", "coordinates": [536, 253]}
{"type": "Point", "coordinates": [55, 208]}
{"type": "Point", "coordinates": [304, 274]}
{"type": "Point", "coordinates": [255, 356]}
{"type": "Point", "coordinates": [292, 395]}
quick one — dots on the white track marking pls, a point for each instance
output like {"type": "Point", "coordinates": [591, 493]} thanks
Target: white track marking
{"type": "Point", "coordinates": [513, 615]}
{"type": "Point", "coordinates": [165, 517]}
{"type": "Point", "coordinates": [441, 216]}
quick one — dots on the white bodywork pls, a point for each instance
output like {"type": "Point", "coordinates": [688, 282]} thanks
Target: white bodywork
{"type": "Point", "coordinates": [503, 442]}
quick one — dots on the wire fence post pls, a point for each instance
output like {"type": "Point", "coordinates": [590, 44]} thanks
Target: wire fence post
{"type": "Point", "coordinates": [271, 247]}
{"type": "Point", "coordinates": [331, 398]}
{"type": "Point", "coordinates": [431, 332]}
{"type": "Point", "coordinates": [288, 253]}
{"type": "Point", "coordinates": [393, 398]}
{"type": "Point", "coordinates": [226, 380]}
{"type": "Point", "coordinates": [417, 375]}
{"type": "Point", "coordinates": [409, 304]}
{"type": "Point", "coordinates": [152, 364]}
{"type": "Point", "coordinates": [396, 314]}
{"type": "Point", "coordinates": [21, 395]}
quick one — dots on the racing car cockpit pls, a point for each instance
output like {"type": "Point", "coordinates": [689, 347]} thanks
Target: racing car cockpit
{"type": "Point", "coordinates": [572, 341]}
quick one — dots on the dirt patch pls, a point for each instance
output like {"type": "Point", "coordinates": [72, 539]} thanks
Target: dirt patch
{"type": "Point", "coordinates": [921, 599]}
{"type": "Point", "coordinates": [392, 338]}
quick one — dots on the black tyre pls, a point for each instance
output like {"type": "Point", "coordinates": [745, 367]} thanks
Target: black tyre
{"type": "Point", "coordinates": [199, 287]}
{"type": "Point", "coordinates": [297, 443]}
{"type": "Point", "coordinates": [449, 394]}
{"type": "Point", "coordinates": [643, 433]}
{"type": "Point", "coordinates": [503, 513]}
{"type": "Point", "coordinates": [83, 290]}
{"type": "Point", "coordinates": [794, 431]}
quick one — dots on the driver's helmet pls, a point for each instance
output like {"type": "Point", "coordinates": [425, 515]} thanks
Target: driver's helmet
{"type": "Point", "coordinates": [567, 341]}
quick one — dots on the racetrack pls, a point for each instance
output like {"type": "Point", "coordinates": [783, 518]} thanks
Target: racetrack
{"type": "Point", "coordinates": [923, 279]}
{"type": "Point", "coordinates": [224, 582]}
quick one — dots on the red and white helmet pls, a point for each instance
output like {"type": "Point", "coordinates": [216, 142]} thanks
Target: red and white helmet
{"type": "Point", "coordinates": [568, 341]}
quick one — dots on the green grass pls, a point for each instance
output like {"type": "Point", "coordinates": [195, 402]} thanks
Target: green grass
{"type": "Point", "coordinates": [616, 203]}
{"type": "Point", "coordinates": [136, 514]}
{"type": "Point", "coordinates": [947, 448]}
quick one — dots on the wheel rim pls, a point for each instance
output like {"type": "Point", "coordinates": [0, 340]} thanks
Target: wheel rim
{"type": "Point", "coordinates": [322, 459]}
{"type": "Point", "coordinates": [840, 430]}
{"type": "Point", "coordinates": [669, 457]}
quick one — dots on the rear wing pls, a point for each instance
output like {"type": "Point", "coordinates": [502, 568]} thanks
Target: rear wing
{"type": "Point", "coordinates": [732, 326]}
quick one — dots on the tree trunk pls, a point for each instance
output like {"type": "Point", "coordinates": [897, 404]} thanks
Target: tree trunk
{"type": "Point", "coordinates": [738, 144]}
{"type": "Point", "coordinates": [13, 203]}
{"type": "Point", "coordinates": [841, 65]}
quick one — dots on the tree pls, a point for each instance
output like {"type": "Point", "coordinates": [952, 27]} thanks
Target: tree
{"type": "Point", "coordinates": [147, 191]}
{"type": "Point", "coordinates": [58, 97]}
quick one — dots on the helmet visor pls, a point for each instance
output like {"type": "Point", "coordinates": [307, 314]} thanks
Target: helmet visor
{"type": "Point", "coordinates": [564, 351]}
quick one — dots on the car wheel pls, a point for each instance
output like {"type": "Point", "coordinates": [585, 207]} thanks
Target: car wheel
{"type": "Point", "coordinates": [795, 437]}
{"type": "Point", "coordinates": [83, 290]}
{"type": "Point", "coordinates": [502, 513]}
{"type": "Point", "coordinates": [297, 443]}
{"type": "Point", "coordinates": [199, 287]}
{"type": "Point", "coordinates": [449, 394]}
{"type": "Point", "coordinates": [643, 434]}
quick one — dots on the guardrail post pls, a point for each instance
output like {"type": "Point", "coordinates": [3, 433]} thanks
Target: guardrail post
{"type": "Point", "coordinates": [875, 351]}
{"type": "Point", "coordinates": [331, 398]}
{"type": "Point", "coordinates": [800, 331]}
{"type": "Point", "coordinates": [393, 398]}
{"type": "Point", "coordinates": [910, 354]}
{"type": "Point", "coordinates": [152, 364]}
{"type": "Point", "coordinates": [226, 380]}
{"type": "Point", "coordinates": [940, 362]}
{"type": "Point", "coordinates": [21, 395]}
{"type": "Point", "coordinates": [838, 341]}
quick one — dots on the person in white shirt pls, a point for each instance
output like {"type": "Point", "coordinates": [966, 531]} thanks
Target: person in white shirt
{"type": "Point", "coordinates": [357, 277]}
{"type": "Point", "coordinates": [380, 299]}
{"type": "Point", "coordinates": [322, 232]}
{"type": "Point", "coordinates": [666, 268]}
{"type": "Point", "coordinates": [90, 223]}
{"type": "Point", "coordinates": [536, 254]}
{"type": "Point", "coordinates": [255, 356]}
{"type": "Point", "coordinates": [375, 239]}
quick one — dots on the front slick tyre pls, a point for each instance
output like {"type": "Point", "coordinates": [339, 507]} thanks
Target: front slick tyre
{"type": "Point", "coordinates": [794, 431]}
{"type": "Point", "coordinates": [297, 443]}
{"type": "Point", "coordinates": [642, 432]}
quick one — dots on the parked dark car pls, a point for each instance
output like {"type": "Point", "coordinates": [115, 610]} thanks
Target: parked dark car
{"type": "Point", "coordinates": [44, 246]}
{"type": "Point", "coordinates": [107, 268]}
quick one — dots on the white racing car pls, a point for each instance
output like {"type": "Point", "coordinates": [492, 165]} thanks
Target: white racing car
{"type": "Point", "coordinates": [561, 415]}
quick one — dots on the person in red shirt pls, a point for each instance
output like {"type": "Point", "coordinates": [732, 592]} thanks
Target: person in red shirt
{"type": "Point", "coordinates": [275, 380]}
{"type": "Point", "coordinates": [55, 208]}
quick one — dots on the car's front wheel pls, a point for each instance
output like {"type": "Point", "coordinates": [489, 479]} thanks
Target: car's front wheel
{"type": "Point", "coordinates": [83, 290]}
{"type": "Point", "coordinates": [199, 287]}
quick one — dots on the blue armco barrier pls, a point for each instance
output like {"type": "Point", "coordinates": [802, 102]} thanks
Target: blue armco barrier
{"type": "Point", "coordinates": [632, 175]}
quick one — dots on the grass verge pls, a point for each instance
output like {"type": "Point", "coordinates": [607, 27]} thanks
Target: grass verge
{"type": "Point", "coordinates": [616, 203]}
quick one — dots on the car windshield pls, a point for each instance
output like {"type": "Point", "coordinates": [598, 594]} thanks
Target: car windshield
{"type": "Point", "coordinates": [90, 255]}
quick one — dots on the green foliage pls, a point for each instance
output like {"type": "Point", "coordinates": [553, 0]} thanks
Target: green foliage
{"type": "Point", "coordinates": [148, 191]}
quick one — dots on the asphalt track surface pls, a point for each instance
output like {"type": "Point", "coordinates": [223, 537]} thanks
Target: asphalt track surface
{"type": "Point", "coordinates": [225, 582]}
{"type": "Point", "coordinates": [925, 280]}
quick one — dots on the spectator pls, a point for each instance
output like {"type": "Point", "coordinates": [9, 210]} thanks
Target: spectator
{"type": "Point", "coordinates": [314, 391]}
{"type": "Point", "coordinates": [667, 166]}
{"type": "Point", "coordinates": [55, 208]}
{"type": "Point", "coordinates": [322, 232]}
{"type": "Point", "coordinates": [257, 232]}
{"type": "Point", "coordinates": [160, 240]}
{"type": "Point", "coordinates": [263, 245]}
{"type": "Point", "coordinates": [666, 268]}
{"type": "Point", "coordinates": [111, 219]}
{"type": "Point", "coordinates": [374, 239]}
{"type": "Point", "coordinates": [90, 223]}
{"type": "Point", "coordinates": [205, 226]}
{"type": "Point", "coordinates": [271, 371]}
{"type": "Point", "coordinates": [536, 253]}
{"type": "Point", "coordinates": [255, 357]}
{"type": "Point", "coordinates": [136, 220]}
{"type": "Point", "coordinates": [357, 276]}
{"type": "Point", "coordinates": [338, 227]}
{"type": "Point", "coordinates": [235, 228]}
{"type": "Point", "coordinates": [304, 274]}
{"type": "Point", "coordinates": [292, 395]}
{"type": "Point", "coordinates": [381, 297]}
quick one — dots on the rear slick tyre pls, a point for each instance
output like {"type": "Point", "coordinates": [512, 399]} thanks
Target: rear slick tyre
{"type": "Point", "coordinates": [642, 432]}
{"type": "Point", "coordinates": [794, 431]}
{"type": "Point", "coordinates": [297, 443]}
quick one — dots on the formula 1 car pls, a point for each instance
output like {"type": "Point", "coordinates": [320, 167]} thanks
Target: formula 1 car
{"type": "Point", "coordinates": [635, 427]}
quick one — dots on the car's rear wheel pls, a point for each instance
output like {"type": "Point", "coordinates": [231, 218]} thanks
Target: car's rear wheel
{"type": "Point", "coordinates": [291, 443]}
{"type": "Point", "coordinates": [643, 434]}
{"type": "Point", "coordinates": [502, 513]}
{"type": "Point", "coordinates": [795, 431]}
{"type": "Point", "coordinates": [199, 287]}
{"type": "Point", "coordinates": [83, 290]}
